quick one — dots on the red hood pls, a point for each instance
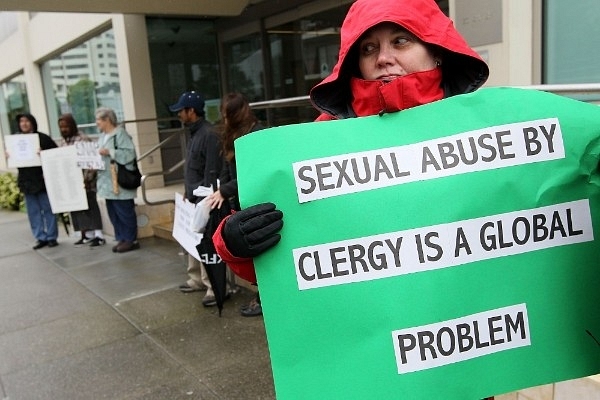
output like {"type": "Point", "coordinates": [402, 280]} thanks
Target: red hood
{"type": "Point", "coordinates": [463, 69]}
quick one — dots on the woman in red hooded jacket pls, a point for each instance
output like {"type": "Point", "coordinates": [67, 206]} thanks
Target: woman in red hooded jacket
{"type": "Point", "coordinates": [394, 55]}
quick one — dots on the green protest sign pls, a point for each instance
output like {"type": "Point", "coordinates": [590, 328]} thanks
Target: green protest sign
{"type": "Point", "coordinates": [446, 251]}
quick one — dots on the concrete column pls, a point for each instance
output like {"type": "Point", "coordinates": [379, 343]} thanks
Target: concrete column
{"type": "Point", "coordinates": [137, 91]}
{"type": "Point", "coordinates": [511, 56]}
{"type": "Point", "coordinates": [33, 76]}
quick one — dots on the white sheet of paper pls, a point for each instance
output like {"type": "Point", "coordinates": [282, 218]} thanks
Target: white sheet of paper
{"type": "Point", "coordinates": [88, 156]}
{"type": "Point", "coordinates": [64, 180]}
{"type": "Point", "coordinates": [188, 239]}
{"type": "Point", "coordinates": [23, 150]}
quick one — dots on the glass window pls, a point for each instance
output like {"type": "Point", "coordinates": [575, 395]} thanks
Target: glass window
{"type": "Point", "coordinates": [73, 83]}
{"type": "Point", "coordinates": [13, 101]}
{"type": "Point", "coordinates": [244, 67]}
{"type": "Point", "coordinates": [245, 71]}
{"type": "Point", "coordinates": [303, 52]}
{"type": "Point", "coordinates": [183, 57]}
{"type": "Point", "coordinates": [571, 33]}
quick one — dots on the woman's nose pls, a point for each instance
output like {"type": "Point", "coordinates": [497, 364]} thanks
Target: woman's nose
{"type": "Point", "coordinates": [385, 55]}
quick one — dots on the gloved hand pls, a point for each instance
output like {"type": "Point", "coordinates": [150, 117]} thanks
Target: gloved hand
{"type": "Point", "coordinates": [251, 231]}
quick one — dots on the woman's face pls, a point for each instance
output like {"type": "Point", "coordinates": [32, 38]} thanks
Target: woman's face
{"type": "Point", "coordinates": [388, 51]}
{"type": "Point", "coordinates": [103, 124]}
{"type": "Point", "coordinates": [25, 125]}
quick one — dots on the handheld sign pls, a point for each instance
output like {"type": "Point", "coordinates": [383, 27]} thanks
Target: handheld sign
{"type": "Point", "coordinates": [447, 251]}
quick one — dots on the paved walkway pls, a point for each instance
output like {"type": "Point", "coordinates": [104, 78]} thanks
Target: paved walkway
{"type": "Point", "coordinates": [86, 323]}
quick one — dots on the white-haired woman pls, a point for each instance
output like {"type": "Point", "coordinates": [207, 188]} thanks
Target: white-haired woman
{"type": "Point", "coordinates": [117, 146]}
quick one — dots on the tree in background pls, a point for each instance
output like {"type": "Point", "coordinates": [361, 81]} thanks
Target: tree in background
{"type": "Point", "coordinates": [82, 99]}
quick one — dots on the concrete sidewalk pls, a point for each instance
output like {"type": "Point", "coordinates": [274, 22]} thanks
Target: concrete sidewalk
{"type": "Point", "coordinates": [85, 323]}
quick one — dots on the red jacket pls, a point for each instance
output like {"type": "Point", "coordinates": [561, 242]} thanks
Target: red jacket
{"type": "Point", "coordinates": [242, 267]}
{"type": "Point", "coordinates": [463, 70]}
{"type": "Point", "coordinates": [343, 94]}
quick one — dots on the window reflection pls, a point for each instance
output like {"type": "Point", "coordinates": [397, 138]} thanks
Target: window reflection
{"type": "Point", "coordinates": [245, 70]}
{"type": "Point", "coordinates": [82, 79]}
{"type": "Point", "coordinates": [183, 57]}
{"type": "Point", "coordinates": [570, 51]}
{"type": "Point", "coordinates": [294, 56]}
{"type": "Point", "coordinates": [303, 52]}
{"type": "Point", "coordinates": [13, 101]}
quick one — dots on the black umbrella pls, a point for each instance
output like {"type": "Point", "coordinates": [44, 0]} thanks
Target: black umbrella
{"type": "Point", "coordinates": [216, 269]}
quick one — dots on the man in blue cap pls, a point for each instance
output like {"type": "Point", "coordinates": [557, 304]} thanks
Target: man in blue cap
{"type": "Point", "coordinates": [202, 165]}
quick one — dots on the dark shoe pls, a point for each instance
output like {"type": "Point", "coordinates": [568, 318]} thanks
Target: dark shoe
{"type": "Point", "coordinates": [116, 246]}
{"type": "Point", "coordinates": [40, 244]}
{"type": "Point", "coordinates": [81, 241]}
{"type": "Point", "coordinates": [210, 301]}
{"type": "Point", "coordinates": [52, 243]}
{"type": "Point", "coordinates": [127, 246]}
{"type": "Point", "coordinates": [185, 288]}
{"type": "Point", "coordinates": [253, 309]}
{"type": "Point", "coordinates": [97, 242]}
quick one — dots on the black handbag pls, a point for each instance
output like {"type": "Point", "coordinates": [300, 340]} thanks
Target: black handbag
{"type": "Point", "coordinates": [128, 178]}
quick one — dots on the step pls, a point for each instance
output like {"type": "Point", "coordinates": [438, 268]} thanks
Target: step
{"type": "Point", "coordinates": [164, 230]}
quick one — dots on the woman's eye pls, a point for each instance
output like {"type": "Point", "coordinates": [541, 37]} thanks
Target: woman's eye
{"type": "Point", "coordinates": [401, 40]}
{"type": "Point", "coordinates": [368, 48]}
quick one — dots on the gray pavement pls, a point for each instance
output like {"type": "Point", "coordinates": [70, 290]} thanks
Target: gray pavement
{"type": "Point", "coordinates": [85, 323]}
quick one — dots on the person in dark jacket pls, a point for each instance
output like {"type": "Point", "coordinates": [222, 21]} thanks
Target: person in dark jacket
{"type": "Point", "coordinates": [202, 166]}
{"type": "Point", "coordinates": [394, 55]}
{"type": "Point", "coordinates": [31, 183]}
{"type": "Point", "coordinates": [237, 121]}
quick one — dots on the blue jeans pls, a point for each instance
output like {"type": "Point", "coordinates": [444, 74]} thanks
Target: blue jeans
{"type": "Point", "coordinates": [123, 218]}
{"type": "Point", "coordinates": [42, 221]}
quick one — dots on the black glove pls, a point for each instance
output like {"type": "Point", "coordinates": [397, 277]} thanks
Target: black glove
{"type": "Point", "coordinates": [251, 231]}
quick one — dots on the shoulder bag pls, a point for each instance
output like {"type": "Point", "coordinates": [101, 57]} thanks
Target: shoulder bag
{"type": "Point", "coordinates": [127, 178]}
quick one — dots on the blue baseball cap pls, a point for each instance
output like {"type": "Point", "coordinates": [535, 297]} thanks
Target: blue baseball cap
{"type": "Point", "coordinates": [189, 100]}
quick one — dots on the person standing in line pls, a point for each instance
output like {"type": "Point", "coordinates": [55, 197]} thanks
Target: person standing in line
{"type": "Point", "coordinates": [202, 164]}
{"type": "Point", "coordinates": [117, 146]}
{"type": "Point", "coordinates": [31, 183]}
{"type": "Point", "coordinates": [237, 121]}
{"type": "Point", "coordinates": [86, 222]}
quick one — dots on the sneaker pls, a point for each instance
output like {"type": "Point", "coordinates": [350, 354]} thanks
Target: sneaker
{"type": "Point", "coordinates": [40, 244]}
{"type": "Point", "coordinates": [210, 301]}
{"type": "Point", "coordinates": [253, 309]}
{"type": "Point", "coordinates": [97, 242]}
{"type": "Point", "coordinates": [81, 241]}
{"type": "Point", "coordinates": [185, 288]}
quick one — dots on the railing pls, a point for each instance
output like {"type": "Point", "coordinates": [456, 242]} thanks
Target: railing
{"type": "Point", "coordinates": [177, 133]}
{"type": "Point", "coordinates": [561, 89]}
{"type": "Point", "coordinates": [279, 103]}
{"type": "Point", "coordinates": [570, 90]}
